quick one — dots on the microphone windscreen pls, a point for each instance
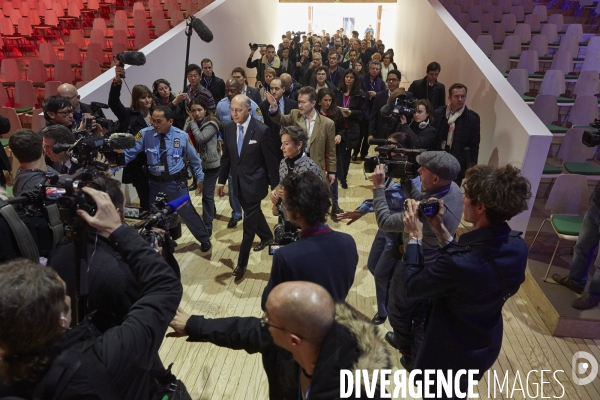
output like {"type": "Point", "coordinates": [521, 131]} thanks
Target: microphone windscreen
{"type": "Point", "coordinates": [378, 142]}
{"type": "Point", "coordinates": [177, 203]}
{"type": "Point", "coordinates": [131, 57]}
{"type": "Point", "coordinates": [121, 141]}
{"type": "Point", "coordinates": [202, 30]}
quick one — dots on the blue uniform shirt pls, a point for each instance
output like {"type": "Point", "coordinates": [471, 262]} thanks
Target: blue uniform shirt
{"type": "Point", "coordinates": [178, 148]}
{"type": "Point", "coordinates": [224, 114]}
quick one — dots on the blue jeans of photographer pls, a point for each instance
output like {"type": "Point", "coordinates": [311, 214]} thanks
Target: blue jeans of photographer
{"type": "Point", "coordinates": [588, 239]}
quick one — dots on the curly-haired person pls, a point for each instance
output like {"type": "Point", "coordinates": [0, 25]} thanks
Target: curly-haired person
{"type": "Point", "coordinates": [472, 277]}
{"type": "Point", "coordinates": [321, 255]}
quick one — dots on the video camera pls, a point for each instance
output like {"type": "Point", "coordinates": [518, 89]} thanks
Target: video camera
{"type": "Point", "coordinates": [405, 104]}
{"type": "Point", "coordinates": [428, 208]}
{"type": "Point", "coordinates": [85, 150]}
{"type": "Point", "coordinates": [399, 162]}
{"type": "Point", "coordinates": [284, 231]}
{"type": "Point", "coordinates": [97, 107]}
{"type": "Point", "coordinates": [254, 46]}
{"type": "Point", "coordinates": [589, 138]}
{"type": "Point", "coordinates": [162, 215]}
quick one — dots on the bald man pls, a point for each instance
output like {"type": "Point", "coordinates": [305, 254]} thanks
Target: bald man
{"type": "Point", "coordinates": [304, 338]}
{"type": "Point", "coordinates": [79, 109]}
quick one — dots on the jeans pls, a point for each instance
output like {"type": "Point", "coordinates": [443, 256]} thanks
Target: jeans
{"type": "Point", "coordinates": [335, 192]}
{"type": "Point", "coordinates": [208, 197]}
{"type": "Point", "coordinates": [236, 208]}
{"type": "Point", "coordinates": [584, 249]}
{"type": "Point", "coordinates": [381, 264]}
{"type": "Point", "coordinates": [189, 215]}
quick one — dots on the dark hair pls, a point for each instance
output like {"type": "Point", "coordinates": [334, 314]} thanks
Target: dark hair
{"type": "Point", "coordinates": [322, 68]}
{"type": "Point", "coordinates": [113, 189]}
{"type": "Point", "coordinates": [390, 55]}
{"type": "Point", "coordinates": [428, 108]}
{"type": "Point", "coordinates": [270, 47]}
{"type": "Point", "coordinates": [456, 86]}
{"type": "Point", "coordinates": [55, 103]}
{"type": "Point", "coordinates": [240, 70]}
{"type": "Point", "coordinates": [433, 66]}
{"type": "Point", "coordinates": [353, 91]}
{"type": "Point", "coordinates": [58, 133]}
{"type": "Point", "coordinates": [297, 134]}
{"type": "Point", "coordinates": [26, 145]}
{"type": "Point", "coordinates": [308, 196]}
{"type": "Point", "coordinates": [206, 60]}
{"type": "Point", "coordinates": [403, 140]}
{"type": "Point", "coordinates": [395, 72]}
{"type": "Point", "coordinates": [362, 64]}
{"type": "Point", "coordinates": [207, 116]}
{"type": "Point", "coordinates": [32, 297]}
{"type": "Point", "coordinates": [334, 113]}
{"type": "Point", "coordinates": [167, 111]}
{"type": "Point", "coordinates": [503, 191]}
{"type": "Point", "coordinates": [137, 93]}
{"type": "Point", "coordinates": [193, 67]}
{"type": "Point", "coordinates": [332, 53]}
{"type": "Point", "coordinates": [157, 83]}
{"type": "Point", "coordinates": [310, 91]}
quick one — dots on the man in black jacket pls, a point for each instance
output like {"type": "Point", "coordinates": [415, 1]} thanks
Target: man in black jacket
{"type": "Point", "coordinates": [458, 129]}
{"type": "Point", "coordinates": [239, 75]}
{"type": "Point", "coordinates": [216, 86]}
{"type": "Point", "coordinates": [285, 107]}
{"type": "Point", "coordinates": [429, 88]}
{"type": "Point", "coordinates": [4, 163]}
{"type": "Point", "coordinates": [376, 120]}
{"type": "Point", "coordinates": [257, 63]}
{"type": "Point", "coordinates": [304, 338]}
{"type": "Point", "coordinates": [114, 364]}
{"type": "Point", "coordinates": [249, 154]}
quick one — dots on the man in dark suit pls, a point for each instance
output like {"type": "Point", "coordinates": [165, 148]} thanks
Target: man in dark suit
{"type": "Point", "coordinates": [285, 107]}
{"type": "Point", "coordinates": [333, 254]}
{"type": "Point", "coordinates": [249, 153]}
{"type": "Point", "coordinates": [239, 75]}
{"type": "Point", "coordinates": [429, 88]}
{"type": "Point", "coordinates": [376, 121]}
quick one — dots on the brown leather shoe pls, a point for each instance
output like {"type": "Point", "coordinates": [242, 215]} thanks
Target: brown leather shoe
{"type": "Point", "coordinates": [565, 281]}
{"type": "Point", "coordinates": [586, 302]}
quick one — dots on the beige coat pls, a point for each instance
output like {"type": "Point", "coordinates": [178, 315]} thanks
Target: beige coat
{"type": "Point", "coordinates": [321, 142]}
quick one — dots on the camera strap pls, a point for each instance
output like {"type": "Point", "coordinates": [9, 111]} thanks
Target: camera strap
{"type": "Point", "coordinates": [25, 241]}
{"type": "Point", "coordinates": [55, 224]}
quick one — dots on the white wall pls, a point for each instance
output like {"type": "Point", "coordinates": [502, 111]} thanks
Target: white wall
{"type": "Point", "coordinates": [510, 131]}
{"type": "Point", "coordinates": [233, 24]}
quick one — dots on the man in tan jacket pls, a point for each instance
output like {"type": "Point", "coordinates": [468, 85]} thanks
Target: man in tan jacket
{"type": "Point", "coordinates": [320, 129]}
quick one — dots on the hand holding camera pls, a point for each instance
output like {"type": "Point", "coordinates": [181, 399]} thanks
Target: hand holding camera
{"type": "Point", "coordinates": [378, 176]}
{"type": "Point", "coordinates": [106, 219]}
{"type": "Point", "coordinates": [412, 225]}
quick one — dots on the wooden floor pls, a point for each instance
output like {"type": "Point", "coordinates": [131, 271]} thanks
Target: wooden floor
{"type": "Point", "coordinates": [210, 372]}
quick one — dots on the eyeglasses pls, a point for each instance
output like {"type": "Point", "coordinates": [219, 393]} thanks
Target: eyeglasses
{"type": "Point", "coordinates": [264, 322]}
{"type": "Point", "coordinates": [392, 80]}
{"type": "Point", "coordinates": [65, 113]}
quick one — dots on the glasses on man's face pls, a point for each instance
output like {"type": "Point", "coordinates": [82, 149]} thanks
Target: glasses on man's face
{"type": "Point", "coordinates": [65, 113]}
{"type": "Point", "coordinates": [392, 80]}
{"type": "Point", "coordinates": [264, 322]}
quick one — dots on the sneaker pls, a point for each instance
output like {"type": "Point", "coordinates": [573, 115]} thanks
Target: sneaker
{"type": "Point", "coordinates": [565, 281]}
{"type": "Point", "coordinates": [337, 210]}
{"type": "Point", "coordinates": [205, 246]}
{"type": "Point", "coordinates": [586, 302]}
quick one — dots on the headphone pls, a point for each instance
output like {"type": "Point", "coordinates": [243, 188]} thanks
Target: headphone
{"type": "Point", "coordinates": [423, 125]}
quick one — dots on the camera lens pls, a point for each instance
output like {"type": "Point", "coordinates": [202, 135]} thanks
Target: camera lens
{"type": "Point", "coordinates": [370, 163]}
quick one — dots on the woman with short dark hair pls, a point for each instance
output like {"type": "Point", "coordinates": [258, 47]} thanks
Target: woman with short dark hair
{"type": "Point", "coordinates": [421, 128]}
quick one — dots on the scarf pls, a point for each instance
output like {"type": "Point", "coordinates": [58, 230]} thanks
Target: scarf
{"type": "Point", "coordinates": [451, 122]}
{"type": "Point", "coordinates": [285, 63]}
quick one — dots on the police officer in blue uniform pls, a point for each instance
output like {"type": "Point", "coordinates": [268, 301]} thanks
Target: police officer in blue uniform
{"type": "Point", "coordinates": [166, 147]}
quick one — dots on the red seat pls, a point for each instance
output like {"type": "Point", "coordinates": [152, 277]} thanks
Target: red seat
{"type": "Point", "coordinates": [25, 94]}
{"type": "Point", "coordinates": [91, 70]}
{"type": "Point", "coordinates": [36, 72]}
{"type": "Point", "coordinates": [63, 71]}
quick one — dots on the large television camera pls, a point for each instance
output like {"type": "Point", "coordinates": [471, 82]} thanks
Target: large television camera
{"type": "Point", "coordinates": [284, 232]}
{"type": "Point", "coordinates": [85, 150]}
{"type": "Point", "coordinates": [399, 162]}
{"type": "Point", "coordinates": [589, 138]}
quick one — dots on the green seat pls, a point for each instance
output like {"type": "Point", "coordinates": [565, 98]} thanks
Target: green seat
{"type": "Point", "coordinates": [565, 100]}
{"type": "Point", "coordinates": [550, 169]}
{"type": "Point", "coordinates": [4, 142]}
{"type": "Point", "coordinates": [527, 98]}
{"type": "Point", "coordinates": [536, 76]}
{"type": "Point", "coordinates": [567, 224]}
{"type": "Point", "coordinates": [9, 192]}
{"type": "Point", "coordinates": [581, 168]}
{"type": "Point", "coordinates": [556, 128]}
{"type": "Point", "coordinates": [21, 110]}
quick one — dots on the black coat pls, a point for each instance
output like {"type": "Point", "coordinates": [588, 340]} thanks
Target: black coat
{"type": "Point", "coordinates": [216, 87]}
{"type": "Point", "coordinates": [127, 352]}
{"type": "Point", "coordinates": [257, 165]}
{"type": "Point", "coordinates": [178, 110]}
{"type": "Point", "coordinates": [421, 138]}
{"type": "Point", "coordinates": [376, 120]}
{"type": "Point", "coordinates": [291, 69]}
{"type": "Point", "coordinates": [437, 95]}
{"type": "Point", "coordinates": [466, 135]}
{"type": "Point", "coordinates": [356, 106]}
{"type": "Point", "coordinates": [254, 94]}
{"type": "Point", "coordinates": [4, 125]}
{"type": "Point", "coordinates": [340, 350]}
{"type": "Point", "coordinates": [4, 163]}
{"type": "Point", "coordinates": [288, 106]}
{"type": "Point", "coordinates": [464, 327]}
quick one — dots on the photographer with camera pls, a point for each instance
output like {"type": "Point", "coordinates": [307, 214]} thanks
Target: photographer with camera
{"type": "Point", "coordinates": [421, 128]}
{"type": "Point", "coordinates": [437, 172]}
{"type": "Point", "coordinates": [59, 134]}
{"type": "Point", "coordinates": [262, 49]}
{"type": "Point", "coordinates": [81, 111]}
{"type": "Point", "coordinates": [27, 147]}
{"type": "Point", "coordinates": [333, 255]}
{"type": "Point", "coordinates": [473, 277]}
{"type": "Point", "coordinates": [41, 356]}
{"type": "Point", "coordinates": [382, 257]}
{"type": "Point", "coordinates": [377, 124]}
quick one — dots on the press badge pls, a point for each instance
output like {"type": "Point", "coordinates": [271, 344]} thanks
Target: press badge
{"type": "Point", "coordinates": [157, 168]}
{"type": "Point", "coordinates": [176, 148]}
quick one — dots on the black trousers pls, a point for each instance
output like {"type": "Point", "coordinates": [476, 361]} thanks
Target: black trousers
{"type": "Point", "coordinates": [254, 224]}
{"type": "Point", "coordinates": [407, 315]}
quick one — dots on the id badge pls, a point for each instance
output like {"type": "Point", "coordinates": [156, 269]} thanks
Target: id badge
{"type": "Point", "coordinates": [159, 168]}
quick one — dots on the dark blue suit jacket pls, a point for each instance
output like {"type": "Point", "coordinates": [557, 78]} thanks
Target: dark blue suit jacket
{"type": "Point", "coordinates": [464, 328]}
{"type": "Point", "coordinates": [328, 259]}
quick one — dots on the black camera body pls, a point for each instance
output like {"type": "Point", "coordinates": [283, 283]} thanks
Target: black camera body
{"type": "Point", "coordinates": [403, 165]}
{"type": "Point", "coordinates": [100, 119]}
{"type": "Point", "coordinates": [589, 138]}
{"type": "Point", "coordinates": [405, 104]}
{"type": "Point", "coordinates": [284, 232]}
{"type": "Point", "coordinates": [254, 46]}
{"type": "Point", "coordinates": [427, 208]}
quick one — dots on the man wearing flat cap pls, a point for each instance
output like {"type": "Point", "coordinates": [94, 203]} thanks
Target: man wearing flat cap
{"type": "Point", "coordinates": [438, 171]}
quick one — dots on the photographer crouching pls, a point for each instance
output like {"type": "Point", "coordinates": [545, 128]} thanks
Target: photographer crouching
{"type": "Point", "coordinates": [471, 279]}
{"type": "Point", "coordinates": [407, 315]}
{"type": "Point", "coordinates": [37, 346]}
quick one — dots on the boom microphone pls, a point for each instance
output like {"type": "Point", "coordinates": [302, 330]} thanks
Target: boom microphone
{"type": "Point", "coordinates": [121, 141]}
{"type": "Point", "coordinates": [130, 58]}
{"type": "Point", "coordinates": [201, 29]}
{"type": "Point", "coordinates": [115, 141]}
